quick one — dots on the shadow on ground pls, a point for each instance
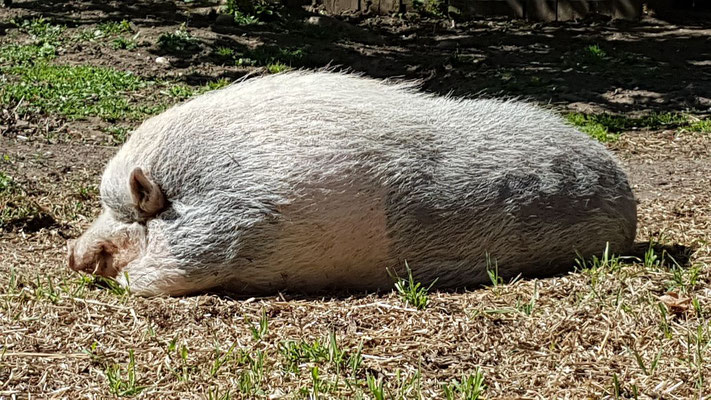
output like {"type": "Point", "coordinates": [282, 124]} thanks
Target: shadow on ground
{"type": "Point", "coordinates": [587, 66]}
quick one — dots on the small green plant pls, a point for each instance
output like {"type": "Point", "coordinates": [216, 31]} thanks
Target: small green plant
{"type": "Point", "coordinates": [221, 359]}
{"type": "Point", "coordinates": [664, 321]}
{"type": "Point", "coordinates": [413, 293]}
{"type": "Point", "coordinates": [41, 30]}
{"type": "Point", "coordinates": [185, 368]}
{"type": "Point", "coordinates": [684, 279]}
{"type": "Point", "coordinates": [214, 85]}
{"type": "Point", "coordinates": [303, 351]}
{"type": "Point", "coordinates": [180, 91]}
{"type": "Point", "coordinates": [616, 387]}
{"type": "Point", "coordinates": [640, 361]}
{"type": "Point", "coordinates": [47, 291]}
{"type": "Point", "coordinates": [435, 8]}
{"type": "Point", "coordinates": [253, 12]}
{"type": "Point", "coordinates": [355, 360]}
{"type": "Point", "coordinates": [703, 126]}
{"type": "Point", "coordinates": [492, 269]}
{"type": "Point", "coordinates": [17, 55]}
{"type": "Point", "coordinates": [593, 128]}
{"type": "Point", "coordinates": [250, 380]}
{"type": "Point", "coordinates": [259, 331]}
{"type": "Point", "coordinates": [528, 307]}
{"type": "Point", "coordinates": [5, 182]}
{"type": "Point", "coordinates": [123, 383]}
{"type": "Point", "coordinates": [122, 43]}
{"type": "Point", "coordinates": [224, 52]}
{"type": "Point", "coordinates": [375, 386]}
{"type": "Point", "coordinates": [115, 28]}
{"type": "Point", "coordinates": [607, 261]}
{"type": "Point", "coordinates": [277, 68]}
{"type": "Point", "coordinates": [179, 41]}
{"type": "Point", "coordinates": [214, 394]}
{"type": "Point", "coordinates": [594, 53]}
{"type": "Point", "coordinates": [470, 387]}
{"type": "Point", "coordinates": [119, 134]}
{"type": "Point", "coordinates": [111, 285]}
{"type": "Point", "coordinates": [651, 260]}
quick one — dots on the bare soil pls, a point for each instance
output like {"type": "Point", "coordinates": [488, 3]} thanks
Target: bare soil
{"type": "Point", "coordinates": [59, 336]}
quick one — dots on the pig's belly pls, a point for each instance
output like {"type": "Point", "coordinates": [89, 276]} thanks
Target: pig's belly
{"type": "Point", "coordinates": [337, 241]}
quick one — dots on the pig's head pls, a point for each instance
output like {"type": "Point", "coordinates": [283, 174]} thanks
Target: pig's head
{"type": "Point", "coordinates": [118, 236]}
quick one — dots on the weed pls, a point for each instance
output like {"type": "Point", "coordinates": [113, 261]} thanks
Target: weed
{"type": "Point", "coordinates": [607, 127]}
{"type": "Point", "coordinates": [277, 68]}
{"type": "Point", "coordinates": [253, 12]}
{"type": "Point", "coordinates": [470, 387]}
{"type": "Point", "coordinates": [607, 261]}
{"type": "Point", "coordinates": [259, 331]}
{"type": "Point", "coordinates": [413, 293]}
{"type": "Point", "coordinates": [250, 380]}
{"type": "Point", "coordinates": [47, 291]}
{"type": "Point", "coordinates": [214, 394]}
{"type": "Point", "coordinates": [17, 55]}
{"type": "Point", "coordinates": [684, 279]}
{"type": "Point", "coordinates": [123, 386]}
{"type": "Point", "coordinates": [122, 43]}
{"type": "Point", "coordinates": [594, 129]}
{"type": "Point", "coordinates": [651, 260]}
{"type": "Point", "coordinates": [115, 28]}
{"type": "Point", "coordinates": [528, 307]}
{"type": "Point", "coordinates": [494, 277]}
{"type": "Point", "coordinates": [266, 55]}
{"type": "Point", "coordinates": [375, 386]}
{"type": "Point", "coordinates": [664, 322]}
{"type": "Point", "coordinates": [224, 52]}
{"type": "Point", "coordinates": [616, 387]}
{"type": "Point", "coordinates": [41, 30]}
{"type": "Point", "coordinates": [640, 362]}
{"type": "Point", "coordinates": [109, 284]}
{"type": "Point", "coordinates": [5, 182]}
{"type": "Point", "coordinates": [355, 360]}
{"type": "Point", "coordinates": [214, 85]}
{"type": "Point", "coordinates": [87, 192]}
{"type": "Point", "coordinates": [434, 8]}
{"type": "Point", "coordinates": [179, 41]}
{"type": "Point", "coordinates": [119, 134]}
{"type": "Point", "coordinates": [298, 352]}
{"type": "Point", "coordinates": [593, 54]}
{"type": "Point", "coordinates": [73, 91]}
{"type": "Point", "coordinates": [181, 92]}
{"type": "Point", "coordinates": [703, 125]}
{"type": "Point", "coordinates": [221, 359]}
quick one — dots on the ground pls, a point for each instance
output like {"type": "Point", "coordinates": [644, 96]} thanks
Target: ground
{"type": "Point", "coordinates": [76, 76]}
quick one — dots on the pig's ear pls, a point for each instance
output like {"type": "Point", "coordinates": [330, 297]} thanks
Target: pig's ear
{"type": "Point", "coordinates": [147, 196]}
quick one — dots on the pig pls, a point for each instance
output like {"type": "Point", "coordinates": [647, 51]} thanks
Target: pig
{"type": "Point", "coordinates": [311, 181]}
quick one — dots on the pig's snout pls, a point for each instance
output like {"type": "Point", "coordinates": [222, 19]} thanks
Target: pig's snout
{"type": "Point", "coordinates": [94, 259]}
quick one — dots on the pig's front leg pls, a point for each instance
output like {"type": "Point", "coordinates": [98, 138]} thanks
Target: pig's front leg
{"type": "Point", "coordinates": [155, 276]}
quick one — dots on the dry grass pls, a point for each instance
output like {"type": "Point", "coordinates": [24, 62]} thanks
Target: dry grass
{"type": "Point", "coordinates": [572, 336]}
{"type": "Point", "coordinates": [607, 331]}
{"type": "Point", "coordinates": [613, 330]}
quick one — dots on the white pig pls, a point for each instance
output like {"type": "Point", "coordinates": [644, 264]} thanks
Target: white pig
{"type": "Point", "coordinates": [310, 181]}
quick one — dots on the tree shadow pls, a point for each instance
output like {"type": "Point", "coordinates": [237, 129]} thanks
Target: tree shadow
{"type": "Point", "coordinates": [590, 65]}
